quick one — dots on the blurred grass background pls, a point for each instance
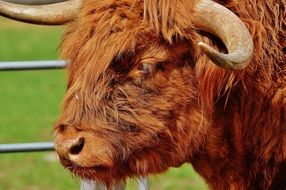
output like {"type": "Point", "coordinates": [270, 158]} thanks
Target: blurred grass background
{"type": "Point", "coordinates": [29, 105]}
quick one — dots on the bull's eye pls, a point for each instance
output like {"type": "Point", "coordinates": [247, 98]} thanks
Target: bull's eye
{"type": "Point", "coordinates": [146, 68]}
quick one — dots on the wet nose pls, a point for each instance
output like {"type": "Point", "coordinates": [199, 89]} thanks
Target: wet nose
{"type": "Point", "coordinates": [70, 147]}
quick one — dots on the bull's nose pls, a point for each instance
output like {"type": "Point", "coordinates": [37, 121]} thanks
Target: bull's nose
{"type": "Point", "coordinates": [80, 148]}
{"type": "Point", "coordinates": [70, 147]}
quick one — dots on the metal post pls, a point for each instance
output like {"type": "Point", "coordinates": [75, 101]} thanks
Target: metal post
{"type": "Point", "coordinates": [143, 184]}
{"type": "Point", "coordinates": [92, 185]}
{"type": "Point", "coordinates": [119, 186]}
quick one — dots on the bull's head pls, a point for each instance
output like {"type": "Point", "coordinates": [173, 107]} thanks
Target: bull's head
{"type": "Point", "coordinates": [132, 105]}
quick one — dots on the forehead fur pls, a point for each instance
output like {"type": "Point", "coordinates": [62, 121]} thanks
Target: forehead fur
{"type": "Point", "coordinates": [100, 33]}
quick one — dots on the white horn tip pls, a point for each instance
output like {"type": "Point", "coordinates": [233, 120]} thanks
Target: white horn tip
{"type": "Point", "coordinates": [226, 61]}
{"type": "Point", "coordinates": [206, 48]}
{"type": "Point", "coordinates": [217, 58]}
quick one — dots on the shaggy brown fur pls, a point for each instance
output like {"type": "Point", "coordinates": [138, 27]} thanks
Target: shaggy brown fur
{"type": "Point", "coordinates": [146, 98]}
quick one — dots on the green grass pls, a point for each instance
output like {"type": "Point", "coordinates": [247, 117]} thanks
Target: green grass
{"type": "Point", "coordinates": [29, 105]}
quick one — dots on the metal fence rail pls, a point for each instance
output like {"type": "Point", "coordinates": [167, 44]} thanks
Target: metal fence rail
{"type": "Point", "coordinates": [31, 65]}
{"type": "Point", "coordinates": [26, 147]}
{"type": "Point", "coordinates": [49, 146]}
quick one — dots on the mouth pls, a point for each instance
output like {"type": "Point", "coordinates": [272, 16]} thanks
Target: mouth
{"type": "Point", "coordinates": [98, 172]}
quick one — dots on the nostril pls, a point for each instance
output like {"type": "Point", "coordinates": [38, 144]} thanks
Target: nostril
{"type": "Point", "coordinates": [77, 148]}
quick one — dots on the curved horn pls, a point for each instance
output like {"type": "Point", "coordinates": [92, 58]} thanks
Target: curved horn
{"type": "Point", "coordinates": [218, 20]}
{"type": "Point", "coordinates": [52, 14]}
